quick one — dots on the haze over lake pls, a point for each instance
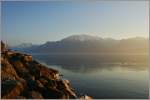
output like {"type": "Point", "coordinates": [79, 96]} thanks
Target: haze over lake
{"type": "Point", "coordinates": [102, 75]}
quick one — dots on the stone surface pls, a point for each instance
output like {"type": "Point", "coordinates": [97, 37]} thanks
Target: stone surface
{"type": "Point", "coordinates": [35, 95]}
{"type": "Point", "coordinates": [3, 47]}
{"type": "Point", "coordinates": [11, 89]}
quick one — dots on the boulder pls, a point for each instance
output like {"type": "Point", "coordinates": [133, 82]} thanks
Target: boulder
{"type": "Point", "coordinates": [11, 89]}
{"type": "Point", "coordinates": [43, 81]}
{"type": "Point", "coordinates": [44, 72]}
{"type": "Point", "coordinates": [52, 93]}
{"type": "Point", "coordinates": [65, 87]}
{"type": "Point", "coordinates": [85, 97]}
{"type": "Point", "coordinates": [3, 47]}
{"type": "Point", "coordinates": [27, 58]}
{"type": "Point", "coordinates": [7, 70]}
{"type": "Point", "coordinates": [39, 84]}
{"type": "Point", "coordinates": [35, 95]}
{"type": "Point", "coordinates": [20, 97]}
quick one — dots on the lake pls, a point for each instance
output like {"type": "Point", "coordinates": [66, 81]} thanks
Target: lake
{"type": "Point", "coordinates": [123, 76]}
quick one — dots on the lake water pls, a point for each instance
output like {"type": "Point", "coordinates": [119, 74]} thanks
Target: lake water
{"type": "Point", "coordinates": [102, 75]}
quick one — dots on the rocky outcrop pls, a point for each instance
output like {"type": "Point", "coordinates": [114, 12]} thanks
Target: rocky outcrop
{"type": "Point", "coordinates": [2, 46]}
{"type": "Point", "coordinates": [24, 78]}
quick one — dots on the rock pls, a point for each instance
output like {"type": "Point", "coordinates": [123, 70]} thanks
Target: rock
{"type": "Point", "coordinates": [43, 81]}
{"type": "Point", "coordinates": [44, 72]}
{"type": "Point", "coordinates": [27, 58]}
{"type": "Point", "coordinates": [9, 53]}
{"type": "Point", "coordinates": [34, 69]}
{"type": "Point", "coordinates": [32, 84]}
{"type": "Point", "coordinates": [3, 47]}
{"type": "Point", "coordinates": [85, 97]}
{"type": "Point", "coordinates": [7, 70]}
{"type": "Point", "coordinates": [52, 93]}
{"type": "Point", "coordinates": [39, 84]}
{"type": "Point", "coordinates": [11, 89]}
{"type": "Point", "coordinates": [35, 95]}
{"type": "Point", "coordinates": [64, 86]}
{"type": "Point", "coordinates": [20, 97]}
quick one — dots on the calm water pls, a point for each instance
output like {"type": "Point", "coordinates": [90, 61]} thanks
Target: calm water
{"type": "Point", "coordinates": [102, 75]}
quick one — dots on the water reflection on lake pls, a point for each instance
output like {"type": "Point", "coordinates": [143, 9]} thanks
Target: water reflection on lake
{"type": "Point", "coordinates": [102, 76]}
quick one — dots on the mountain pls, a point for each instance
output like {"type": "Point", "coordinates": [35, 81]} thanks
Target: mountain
{"type": "Point", "coordinates": [80, 38]}
{"type": "Point", "coordinates": [93, 44]}
{"type": "Point", "coordinates": [24, 47]}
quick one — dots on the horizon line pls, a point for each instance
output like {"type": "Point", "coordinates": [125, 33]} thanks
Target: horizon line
{"type": "Point", "coordinates": [102, 37]}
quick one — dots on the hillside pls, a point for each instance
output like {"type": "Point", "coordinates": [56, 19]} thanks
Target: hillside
{"type": "Point", "coordinates": [24, 78]}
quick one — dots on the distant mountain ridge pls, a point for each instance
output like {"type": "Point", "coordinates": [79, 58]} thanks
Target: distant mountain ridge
{"type": "Point", "coordinates": [93, 44]}
{"type": "Point", "coordinates": [24, 47]}
{"type": "Point", "coordinates": [82, 37]}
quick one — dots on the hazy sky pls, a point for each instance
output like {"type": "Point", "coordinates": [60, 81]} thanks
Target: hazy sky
{"type": "Point", "coordinates": [38, 22]}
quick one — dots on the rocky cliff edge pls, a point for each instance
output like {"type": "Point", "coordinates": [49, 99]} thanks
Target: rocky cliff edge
{"type": "Point", "coordinates": [24, 78]}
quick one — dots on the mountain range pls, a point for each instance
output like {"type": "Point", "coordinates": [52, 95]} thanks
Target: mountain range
{"type": "Point", "coordinates": [90, 44]}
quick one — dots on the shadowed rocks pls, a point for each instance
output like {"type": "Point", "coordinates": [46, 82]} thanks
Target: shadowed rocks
{"type": "Point", "coordinates": [11, 89]}
{"type": "Point", "coordinates": [24, 78]}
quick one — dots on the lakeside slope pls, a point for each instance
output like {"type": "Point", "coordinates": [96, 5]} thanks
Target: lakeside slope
{"type": "Point", "coordinates": [24, 78]}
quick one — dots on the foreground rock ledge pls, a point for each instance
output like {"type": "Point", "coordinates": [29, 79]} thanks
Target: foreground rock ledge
{"type": "Point", "coordinates": [24, 78]}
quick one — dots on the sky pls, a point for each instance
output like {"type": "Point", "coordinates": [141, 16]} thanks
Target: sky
{"type": "Point", "coordinates": [37, 22]}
